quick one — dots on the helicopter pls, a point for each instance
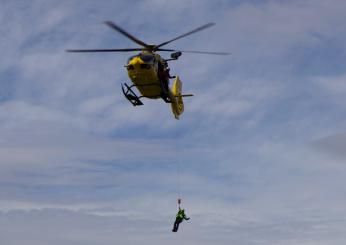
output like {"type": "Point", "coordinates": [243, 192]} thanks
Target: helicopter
{"type": "Point", "coordinates": [149, 72]}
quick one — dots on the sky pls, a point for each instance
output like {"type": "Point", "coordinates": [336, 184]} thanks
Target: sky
{"type": "Point", "coordinates": [258, 157]}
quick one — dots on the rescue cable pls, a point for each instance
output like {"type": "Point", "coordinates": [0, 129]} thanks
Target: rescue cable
{"type": "Point", "coordinates": [178, 159]}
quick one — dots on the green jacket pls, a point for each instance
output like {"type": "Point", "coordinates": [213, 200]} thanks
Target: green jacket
{"type": "Point", "coordinates": [181, 214]}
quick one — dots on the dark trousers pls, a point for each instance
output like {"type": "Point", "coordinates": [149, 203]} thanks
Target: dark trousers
{"type": "Point", "coordinates": [176, 224]}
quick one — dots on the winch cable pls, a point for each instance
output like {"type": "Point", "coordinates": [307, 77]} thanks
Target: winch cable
{"type": "Point", "coordinates": [178, 165]}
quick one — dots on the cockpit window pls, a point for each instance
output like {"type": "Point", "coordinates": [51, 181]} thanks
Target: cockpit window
{"type": "Point", "coordinates": [147, 58]}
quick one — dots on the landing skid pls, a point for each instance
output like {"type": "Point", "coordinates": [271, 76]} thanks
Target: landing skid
{"type": "Point", "coordinates": [134, 99]}
{"type": "Point", "coordinates": [130, 95]}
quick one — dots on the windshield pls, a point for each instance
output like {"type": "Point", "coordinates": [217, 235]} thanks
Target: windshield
{"type": "Point", "coordinates": [147, 58]}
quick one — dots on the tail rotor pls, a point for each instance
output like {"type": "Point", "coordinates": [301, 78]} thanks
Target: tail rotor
{"type": "Point", "coordinates": [177, 104]}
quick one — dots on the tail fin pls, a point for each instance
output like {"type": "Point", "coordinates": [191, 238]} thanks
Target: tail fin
{"type": "Point", "coordinates": [177, 101]}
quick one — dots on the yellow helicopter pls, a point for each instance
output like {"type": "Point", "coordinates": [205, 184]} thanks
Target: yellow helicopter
{"type": "Point", "coordinates": [149, 72]}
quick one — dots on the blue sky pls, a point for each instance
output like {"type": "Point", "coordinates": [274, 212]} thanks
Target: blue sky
{"type": "Point", "coordinates": [261, 147]}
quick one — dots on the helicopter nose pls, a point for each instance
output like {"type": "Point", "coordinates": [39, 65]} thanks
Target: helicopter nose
{"type": "Point", "coordinates": [138, 64]}
{"type": "Point", "coordinates": [134, 64]}
{"type": "Point", "coordinates": [133, 68]}
{"type": "Point", "coordinates": [131, 65]}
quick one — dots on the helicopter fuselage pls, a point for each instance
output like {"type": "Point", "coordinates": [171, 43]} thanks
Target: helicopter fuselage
{"type": "Point", "coordinates": [143, 70]}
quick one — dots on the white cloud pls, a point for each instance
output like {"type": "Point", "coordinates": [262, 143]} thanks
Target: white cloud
{"type": "Point", "coordinates": [335, 85]}
{"type": "Point", "coordinates": [334, 145]}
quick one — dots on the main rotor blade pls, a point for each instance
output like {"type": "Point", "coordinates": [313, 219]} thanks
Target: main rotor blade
{"type": "Point", "coordinates": [103, 50]}
{"type": "Point", "coordinates": [125, 33]}
{"type": "Point", "coordinates": [195, 52]}
{"type": "Point", "coordinates": [184, 35]}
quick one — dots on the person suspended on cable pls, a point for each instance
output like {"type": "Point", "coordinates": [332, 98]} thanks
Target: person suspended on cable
{"type": "Point", "coordinates": [179, 218]}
